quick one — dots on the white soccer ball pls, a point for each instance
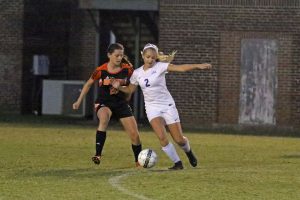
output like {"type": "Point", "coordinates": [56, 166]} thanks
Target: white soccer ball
{"type": "Point", "coordinates": [147, 158]}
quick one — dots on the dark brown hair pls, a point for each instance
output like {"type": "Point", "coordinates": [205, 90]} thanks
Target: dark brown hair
{"type": "Point", "coordinates": [114, 46]}
{"type": "Point", "coordinates": [117, 46]}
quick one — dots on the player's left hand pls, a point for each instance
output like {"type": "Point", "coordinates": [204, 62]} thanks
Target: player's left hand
{"type": "Point", "coordinates": [205, 66]}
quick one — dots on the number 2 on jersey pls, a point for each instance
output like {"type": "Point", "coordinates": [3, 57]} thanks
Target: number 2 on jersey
{"type": "Point", "coordinates": [147, 82]}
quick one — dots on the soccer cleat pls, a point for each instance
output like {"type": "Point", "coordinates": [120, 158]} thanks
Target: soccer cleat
{"type": "Point", "coordinates": [177, 166]}
{"type": "Point", "coordinates": [96, 160]}
{"type": "Point", "coordinates": [192, 158]}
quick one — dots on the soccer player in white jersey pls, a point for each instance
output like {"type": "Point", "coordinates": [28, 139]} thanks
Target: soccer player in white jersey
{"type": "Point", "coordinates": [160, 106]}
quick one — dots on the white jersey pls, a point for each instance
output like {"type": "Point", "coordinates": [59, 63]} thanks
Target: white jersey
{"type": "Point", "coordinates": [153, 84]}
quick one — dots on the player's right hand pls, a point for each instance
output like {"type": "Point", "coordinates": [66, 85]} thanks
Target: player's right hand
{"type": "Point", "coordinates": [116, 84]}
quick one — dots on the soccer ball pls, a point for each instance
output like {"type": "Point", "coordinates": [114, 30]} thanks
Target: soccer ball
{"type": "Point", "coordinates": [147, 158]}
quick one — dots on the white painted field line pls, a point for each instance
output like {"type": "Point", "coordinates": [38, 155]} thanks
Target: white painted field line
{"type": "Point", "coordinates": [115, 182]}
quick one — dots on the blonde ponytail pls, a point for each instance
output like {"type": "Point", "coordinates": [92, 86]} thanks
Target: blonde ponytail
{"type": "Point", "coordinates": [166, 58]}
{"type": "Point", "coordinates": [160, 55]}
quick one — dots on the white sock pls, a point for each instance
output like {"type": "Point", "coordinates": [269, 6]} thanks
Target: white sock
{"type": "Point", "coordinates": [186, 147]}
{"type": "Point", "coordinates": [171, 152]}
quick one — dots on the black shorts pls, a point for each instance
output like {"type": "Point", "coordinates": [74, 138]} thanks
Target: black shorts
{"type": "Point", "coordinates": [119, 110]}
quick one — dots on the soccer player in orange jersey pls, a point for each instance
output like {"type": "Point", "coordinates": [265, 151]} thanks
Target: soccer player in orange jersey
{"type": "Point", "coordinates": [110, 101]}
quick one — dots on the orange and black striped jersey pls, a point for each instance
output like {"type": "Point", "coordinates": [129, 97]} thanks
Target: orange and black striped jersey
{"type": "Point", "coordinates": [106, 93]}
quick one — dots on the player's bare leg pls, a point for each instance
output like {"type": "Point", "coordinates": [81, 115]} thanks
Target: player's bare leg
{"type": "Point", "coordinates": [176, 133]}
{"type": "Point", "coordinates": [131, 129]}
{"type": "Point", "coordinates": [160, 131]}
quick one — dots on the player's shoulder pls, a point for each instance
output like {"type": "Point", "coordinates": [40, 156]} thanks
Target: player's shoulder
{"type": "Point", "coordinates": [161, 66]}
{"type": "Point", "coordinates": [161, 63]}
{"type": "Point", "coordinates": [98, 71]}
{"type": "Point", "coordinates": [126, 66]}
{"type": "Point", "coordinates": [102, 67]}
{"type": "Point", "coordinates": [138, 70]}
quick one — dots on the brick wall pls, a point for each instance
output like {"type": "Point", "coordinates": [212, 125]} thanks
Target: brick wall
{"type": "Point", "coordinates": [82, 46]}
{"type": "Point", "coordinates": [11, 43]}
{"type": "Point", "coordinates": [211, 31]}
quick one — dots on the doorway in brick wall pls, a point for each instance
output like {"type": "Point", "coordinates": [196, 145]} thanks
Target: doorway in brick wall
{"type": "Point", "coordinates": [258, 81]}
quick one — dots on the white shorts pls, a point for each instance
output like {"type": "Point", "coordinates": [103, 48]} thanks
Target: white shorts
{"type": "Point", "coordinates": [168, 113]}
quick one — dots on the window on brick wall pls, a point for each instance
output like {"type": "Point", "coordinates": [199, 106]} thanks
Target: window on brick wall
{"type": "Point", "coordinates": [258, 81]}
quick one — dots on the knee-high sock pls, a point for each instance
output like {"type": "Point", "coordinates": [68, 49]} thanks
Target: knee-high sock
{"type": "Point", "coordinates": [100, 140]}
{"type": "Point", "coordinates": [136, 150]}
{"type": "Point", "coordinates": [186, 147]}
{"type": "Point", "coordinates": [171, 152]}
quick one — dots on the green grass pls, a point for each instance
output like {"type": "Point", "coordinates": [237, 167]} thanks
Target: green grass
{"type": "Point", "coordinates": [52, 161]}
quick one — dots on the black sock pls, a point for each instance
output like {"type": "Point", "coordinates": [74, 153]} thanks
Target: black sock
{"type": "Point", "coordinates": [136, 150]}
{"type": "Point", "coordinates": [100, 140]}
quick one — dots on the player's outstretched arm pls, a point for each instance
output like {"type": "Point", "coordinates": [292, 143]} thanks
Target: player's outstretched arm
{"type": "Point", "coordinates": [188, 67]}
{"type": "Point", "coordinates": [83, 92]}
{"type": "Point", "coordinates": [126, 89]}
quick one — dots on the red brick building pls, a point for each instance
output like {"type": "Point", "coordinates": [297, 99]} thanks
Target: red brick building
{"type": "Point", "coordinates": [11, 55]}
{"type": "Point", "coordinates": [214, 31]}
{"type": "Point", "coordinates": [254, 47]}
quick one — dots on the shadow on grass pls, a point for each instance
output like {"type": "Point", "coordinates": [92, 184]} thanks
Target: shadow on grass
{"type": "Point", "coordinates": [78, 173]}
{"type": "Point", "coordinates": [288, 156]}
{"type": "Point", "coordinates": [252, 130]}
{"type": "Point", "coordinates": [91, 172]}
{"type": "Point", "coordinates": [58, 120]}
{"type": "Point", "coordinates": [44, 120]}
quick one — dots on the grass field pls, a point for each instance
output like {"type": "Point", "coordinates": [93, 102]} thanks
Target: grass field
{"type": "Point", "coordinates": [52, 161]}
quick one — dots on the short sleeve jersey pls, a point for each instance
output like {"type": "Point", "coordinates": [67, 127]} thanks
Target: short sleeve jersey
{"type": "Point", "coordinates": [153, 84]}
{"type": "Point", "coordinates": [106, 93]}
